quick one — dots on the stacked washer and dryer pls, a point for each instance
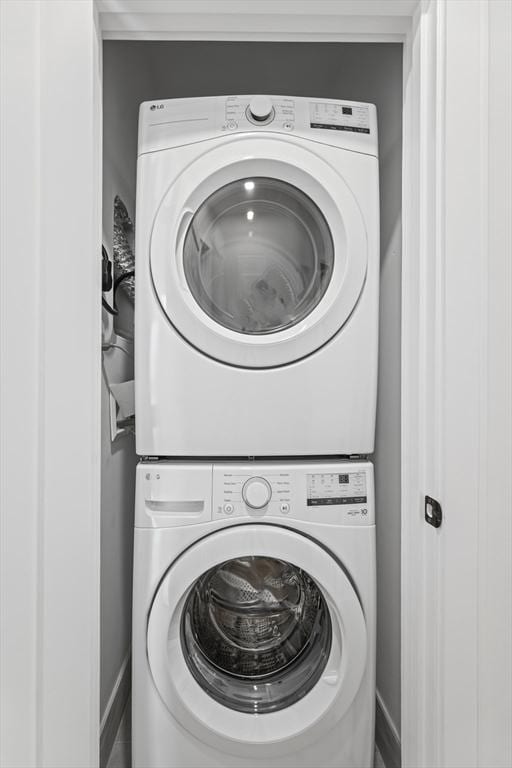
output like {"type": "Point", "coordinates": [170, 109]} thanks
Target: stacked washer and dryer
{"type": "Point", "coordinates": [257, 272]}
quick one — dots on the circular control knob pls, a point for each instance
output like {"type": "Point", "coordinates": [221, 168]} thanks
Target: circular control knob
{"type": "Point", "coordinates": [256, 492]}
{"type": "Point", "coordinates": [260, 108]}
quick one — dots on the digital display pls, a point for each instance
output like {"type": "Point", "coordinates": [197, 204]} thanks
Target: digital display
{"type": "Point", "coordinates": [327, 489]}
{"type": "Point", "coordinates": [333, 116]}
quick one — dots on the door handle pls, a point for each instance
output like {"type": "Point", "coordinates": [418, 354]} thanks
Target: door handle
{"type": "Point", "coordinates": [186, 218]}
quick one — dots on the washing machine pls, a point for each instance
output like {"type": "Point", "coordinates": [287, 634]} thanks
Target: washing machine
{"type": "Point", "coordinates": [257, 269]}
{"type": "Point", "coordinates": [254, 615]}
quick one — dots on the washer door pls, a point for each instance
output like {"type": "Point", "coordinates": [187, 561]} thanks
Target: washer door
{"type": "Point", "coordinates": [256, 632]}
{"type": "Point", "coordinates": [258, 252]}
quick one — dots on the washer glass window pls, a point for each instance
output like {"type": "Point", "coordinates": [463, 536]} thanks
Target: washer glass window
{"type": "Point", "coordinates": [258, 255]}
{"type": "Point", "coordinates": [256, 633]}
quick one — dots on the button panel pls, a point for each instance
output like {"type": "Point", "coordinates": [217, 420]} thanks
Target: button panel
{"type": "Point", "coordinates": [237, 113]}
{"type": "Point", "coordinates": [327, 492]}
{"type": "Point", "coordinates": [245, 493]}
{"type": "Point", "coordinates": [326, 488]}
{"type": "Point", "coordinates": [334, 116]}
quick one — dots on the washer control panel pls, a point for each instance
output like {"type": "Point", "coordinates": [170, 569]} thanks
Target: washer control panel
{"type": "Point", "coordinates": [250, 493]}
{"type": "Point", "coordinates": [181, 493]}
{"type": "Point", "coordinates": [332, 492]}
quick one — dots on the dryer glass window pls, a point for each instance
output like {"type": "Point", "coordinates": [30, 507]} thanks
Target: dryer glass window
{"type": "Point", "coordinates": [258, 255]}
{"type": "Point", "coordinates": [256, 633]}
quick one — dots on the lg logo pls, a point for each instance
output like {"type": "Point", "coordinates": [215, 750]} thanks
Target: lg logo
{"type": "Point", "coordinates": [156, 106]}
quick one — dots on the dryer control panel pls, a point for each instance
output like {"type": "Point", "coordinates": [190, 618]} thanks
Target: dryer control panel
{"type": "Point", "coordinates": [259, 111]}
{"type": "Point", "coordinates": [176, 122]}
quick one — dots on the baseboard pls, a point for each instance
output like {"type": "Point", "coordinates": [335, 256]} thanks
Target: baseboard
{"type": "Point", "coordinates": [114, 710]}
{"type": "Point", "coordinates": [386, 736]}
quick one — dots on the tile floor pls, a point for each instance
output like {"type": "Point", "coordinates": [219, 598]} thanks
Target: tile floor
{"type": "Point", "coordinates": [121, 755]}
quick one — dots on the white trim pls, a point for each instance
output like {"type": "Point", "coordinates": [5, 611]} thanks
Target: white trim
{"type": "Point", "coordinates": [418, 233]}
{"type": "Point", "coordinates": [68, 644]}
{"type": "Point", "coordinates": [433, 587]}
{"type": "Point", "coordinates": [482, 523]}
{"type": "Point", "coordinates": [364, 21]}
{"type": "Point", "coordinates": [348, 33]}
{"type": "Point", "coordinates": [464, 356]}
{"type": "Point", "coordinates": [19, 383]}
{"type": "Point", "coordinates": [495, 502]}
{"type": "Point", "coordinates": [457, 612]}
{"type": "Point", "coordinates": [50, 385]}
{"type": "Point", "coordinates": [268, 8]}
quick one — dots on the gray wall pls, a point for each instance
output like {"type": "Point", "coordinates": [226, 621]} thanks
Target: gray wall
{"type": "Point", "coordinates": [124, 87]}
{"type": "Point", "coordinates": [140, 71]}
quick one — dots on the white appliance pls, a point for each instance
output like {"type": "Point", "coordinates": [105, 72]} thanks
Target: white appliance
{"type": "Point", "coordinates": [254, 615]}
{"type": "Point", "coordinates": [257, 268]}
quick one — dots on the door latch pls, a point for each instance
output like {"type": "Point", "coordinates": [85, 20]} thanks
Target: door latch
{"type": "Point", "coordinates": [433, 512]}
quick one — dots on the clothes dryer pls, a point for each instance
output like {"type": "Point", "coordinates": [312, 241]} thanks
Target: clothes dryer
{"type": "Point", "coordinates": [254, 615]}
{"type": "Point", "coordinates": [257, 268]}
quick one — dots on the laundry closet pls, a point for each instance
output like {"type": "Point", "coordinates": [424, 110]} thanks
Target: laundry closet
{"type": "Point", "coordinates": [136, 72]}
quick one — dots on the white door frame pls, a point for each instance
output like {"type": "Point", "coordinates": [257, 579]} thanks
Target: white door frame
{"type": "Point", "coordinates": [456, 353]}
{"type": "Point", "coordinates": [50, 351]}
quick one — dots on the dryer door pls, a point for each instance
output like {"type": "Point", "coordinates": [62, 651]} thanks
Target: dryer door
{"type": "Point", "coordinates": [258, 252]}
{"type": "Point", "coordinates": [254, 633]}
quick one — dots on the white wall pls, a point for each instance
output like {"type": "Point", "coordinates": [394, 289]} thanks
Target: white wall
{"type": "Point", "coordinates": [137, 71]}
